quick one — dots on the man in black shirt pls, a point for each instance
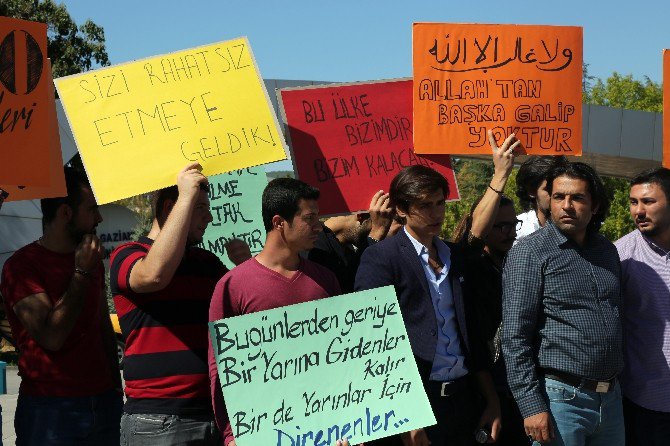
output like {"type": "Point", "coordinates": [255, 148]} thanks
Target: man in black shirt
{"type": "Point", "coordinates": [341, 243]}
{"type": "Point", "coordinates": [484, 259]}
{"type": "Point", "coordinates": [486, 234]}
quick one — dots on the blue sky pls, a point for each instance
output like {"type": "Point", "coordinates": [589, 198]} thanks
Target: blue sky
{"type": "Point", "coordinates": [365, 40]}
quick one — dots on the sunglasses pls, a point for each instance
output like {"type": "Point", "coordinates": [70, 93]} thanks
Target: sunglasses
{"type": "Point", "coordinates": [506, 226]}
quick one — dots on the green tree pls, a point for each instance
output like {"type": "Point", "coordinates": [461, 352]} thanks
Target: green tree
{"type": "Point", "coordinates": [72, 48]}
{"type": "Point", "coordinates": [472, 177]}
{"type": "Point", "coordinates": [619, 221]}
{"type": "Point", "coordinates": [626, 92]}
{"type": "Point", "coordinates": [632, 94]}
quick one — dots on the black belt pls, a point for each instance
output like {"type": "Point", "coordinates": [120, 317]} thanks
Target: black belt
{"type": "Point", "coordinates": [447, 388]}
{"type": "Point", "coordinates": [582, 383]}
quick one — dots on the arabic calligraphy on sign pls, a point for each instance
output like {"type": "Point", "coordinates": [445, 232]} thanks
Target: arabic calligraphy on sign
{"type": "Point", "coordinates": [452, 54]}
{"type": "Point", "coordinates": [472, 78]}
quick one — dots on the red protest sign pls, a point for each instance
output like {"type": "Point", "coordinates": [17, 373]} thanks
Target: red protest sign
{"type": "Point", "coordinates": [350, 140]}
{"type": "Point", "coordinates": [24, 103]}
{"type": "Point", "coordinates": [521, 79]}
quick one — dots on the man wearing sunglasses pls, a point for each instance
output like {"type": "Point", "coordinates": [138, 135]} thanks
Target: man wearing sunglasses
{"type": "Point", "coordinates": [485, 235]}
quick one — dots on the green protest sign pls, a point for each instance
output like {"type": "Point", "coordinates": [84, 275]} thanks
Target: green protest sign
{"type": "Point", "coordinates": [311, 373]}
{"type": "Point", "coordinates": [235, 203]}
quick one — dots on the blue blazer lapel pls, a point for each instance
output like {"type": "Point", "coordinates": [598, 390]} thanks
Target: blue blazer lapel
{"type": "Point", "coordinates": [411, 260]}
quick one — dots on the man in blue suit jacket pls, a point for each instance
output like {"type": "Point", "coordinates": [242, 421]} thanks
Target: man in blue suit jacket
{"type": "Point", "coordinates": [429, 282]}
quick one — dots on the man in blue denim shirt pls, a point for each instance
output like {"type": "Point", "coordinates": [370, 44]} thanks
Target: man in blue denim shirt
{"type": "Point", "coordinates": [562, 337]}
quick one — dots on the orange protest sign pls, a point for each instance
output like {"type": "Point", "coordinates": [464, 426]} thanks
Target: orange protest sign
{"type": "Point", "coordinates": [24, 103]}
{"type": "Point", "coordinates": [666, 108]}
{"type": "Point", "coordinates": [522, 79]}
{"type": "Point", "coordinates": [56, 187]}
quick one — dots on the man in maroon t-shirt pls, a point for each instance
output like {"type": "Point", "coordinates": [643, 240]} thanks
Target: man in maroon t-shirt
{"type": "Point", "coordinates": [277, 276]}
{"type": "Point", "coordinates": [54, 297]}
{"type": "Point", "coordinates": [162, 285]}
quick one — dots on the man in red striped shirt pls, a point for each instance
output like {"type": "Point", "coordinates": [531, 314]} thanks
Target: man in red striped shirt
{"type": "Point", "coordinates": [162, 286]}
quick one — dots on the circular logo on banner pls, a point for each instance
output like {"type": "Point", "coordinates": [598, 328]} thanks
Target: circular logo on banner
{"type": "Point", "coordinates": [8, 62]}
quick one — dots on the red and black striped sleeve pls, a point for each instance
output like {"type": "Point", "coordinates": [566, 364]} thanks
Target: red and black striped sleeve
{"type": "Point", "coordinates": [121, 263]}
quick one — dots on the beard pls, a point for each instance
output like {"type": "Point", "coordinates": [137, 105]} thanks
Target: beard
{"type": "Point", "coordinates": [358, 234]}
{"type": "Point", "coordinates": [545, 212]}
{"type": "Point", "coordinates": [76, 233]}
{"type": "Point", "coordinates": [652, 231]}
{"type": "Point", "coordinates": [193, 241]}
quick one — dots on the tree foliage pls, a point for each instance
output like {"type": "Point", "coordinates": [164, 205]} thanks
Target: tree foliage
{"type": "Point", "coordinates": [72, 48]}
{"type": "Point", "coordinates": [626, 92]}
{"type": "Point", "coordinates": [631, 94]}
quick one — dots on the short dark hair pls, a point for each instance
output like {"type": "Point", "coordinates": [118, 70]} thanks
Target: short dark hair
{"type": "Point", "coordinates": [413, 183]}
{"type": "Point", "coordinates": [656, 175]}
{"type": "Point", "coordinates": [75, 182]}
{"type": "Point", "coordinates": [282, 196]}
{"type": "Point", "coordinates": [158, 199]}
{"type": "Point", "coordinates": [532, 173]}
{"type": "Point", "coordinates": [599, 196]}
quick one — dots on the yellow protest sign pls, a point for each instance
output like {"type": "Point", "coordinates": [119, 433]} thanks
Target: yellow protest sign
{"type": "Point", "coordinates": [138, 124]}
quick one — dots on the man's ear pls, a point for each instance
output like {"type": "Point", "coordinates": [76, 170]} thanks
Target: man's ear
{"type": "Point", "coordinates": [167, 208]}
{"type": "Point", "coordinates": [65, 212]}
{"type": "Point", "coordinates": [278, 222]}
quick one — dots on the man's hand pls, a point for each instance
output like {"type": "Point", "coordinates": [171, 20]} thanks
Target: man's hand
{"type": "Point", "coordinates": [416, 437]}
{"type": "Point", "coordinates": [189, 180]}
{"type": "Point", "coordinates": [89, 253]}
{"type": "Point", "coordinates": [491, 420]}
{"type": "Point", "coordinates": [503, 156]}
{"type": "Point", "coordinates": [381, 215]}
{"type": "Point", "coordinates": [539, 427]}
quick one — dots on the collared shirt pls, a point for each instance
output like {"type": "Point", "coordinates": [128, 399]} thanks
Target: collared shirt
{"type": "Point", "coordinates": [645, 270]}
{"type": "Point", "coordinates": [529, 224]}
{"type": "Point", "coordinates": [560, 312]}
{"type": "Point", "coordinates": [449, 362]}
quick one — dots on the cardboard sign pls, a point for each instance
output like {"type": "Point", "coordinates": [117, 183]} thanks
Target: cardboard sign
{"type": "Point", "coordinates": [350, 140]}
{"type": "Point", "coordinates": [666, 108]}
{"type": "Point", "coordinates": [312, 373]}
{"type": "Point", "coordinates": [56, 187]}
{"type": "Point", "coordinates": [522, 79]}
{"type": "Point", "coordinates": [138, 124]}
{"type": "Point", "coordinates": [235, 203]}
{"type": "Point", "coordinates": [24, 104]}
